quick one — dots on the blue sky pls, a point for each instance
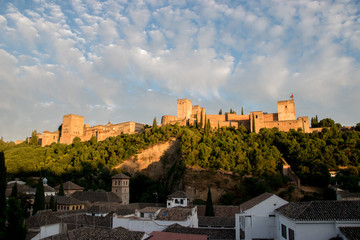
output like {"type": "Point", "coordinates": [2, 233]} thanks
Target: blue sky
{"type": "Point", "coordinates": [124, 60]}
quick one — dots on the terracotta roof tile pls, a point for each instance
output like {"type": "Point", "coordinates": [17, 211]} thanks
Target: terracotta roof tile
{"type": "Point", "coordinates": [351, 233]}
{"type": "Point", "coordinates": [96, 196]}
{"type": "Point", "coordinates": [98, 234]}
{"type": "Point", "coordinates": [174, 214]}
{"type": "Point", "coordinates": [321, 210]}
{"type": "Point", "coordinates": [120, 176]}
{"type": "Point", "coordinates": [220, 210]}
{"type": "Point", "coordinates": [178, 236]}
{"type": "Point", "coordinates": [226, 222]}
{"type": "Point", "coordinates": [177, 194]}
{"type": "Point", "coordinates": [69, 186]}
{"type": "Point", "coordinates": [211, 233]}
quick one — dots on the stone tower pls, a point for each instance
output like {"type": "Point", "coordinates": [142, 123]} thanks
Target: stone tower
{"type": "Point", "coordinates": [184, 109]}
{"type": "Point", "coordinates": [72, 126]}
{"type": "Point", "coordinates": [286, 110]}
{"type": "Point", "coordinates": [120, 186]}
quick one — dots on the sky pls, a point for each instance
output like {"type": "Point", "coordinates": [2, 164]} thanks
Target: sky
{"type": "Point", "coordinates": [117, 61]}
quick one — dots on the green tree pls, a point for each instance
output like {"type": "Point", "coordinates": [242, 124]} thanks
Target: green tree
{"type": "Point", "coordinates": [61, 189]}
{"type": "Point", "coordinates": [154, 123]}
{"type": "Point", "coordinates": [220, 111]}
{"type": "Point", "coordinates": [242, 111]}
{"type": "Point", "coordinates": [16, 228]}
{"type": "Point", "coordinates": [34, 138]}
{"type": "Point", "coordinates": [52, 203]}
{"type": "Point", "coordinates": [2, 195]}
{"type": "Point", "coordinates": [201, 120]}
{"type": "Point", "coordinates": [39, 203]}
{"type": "Point", "coordinates": [209, 210]}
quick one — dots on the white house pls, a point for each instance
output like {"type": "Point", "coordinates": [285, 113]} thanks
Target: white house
{"type": "Point", "coordinates": [321, 220]}
{"type": "Point", "coordinates": [257, 217]}
{"type": "Point", "coordinates": [154, 219]}
{"type": "Point", "coordinates": [177, 199]}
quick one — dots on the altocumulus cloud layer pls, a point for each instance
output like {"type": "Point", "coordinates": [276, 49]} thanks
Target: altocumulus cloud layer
{"type": "Point", "coordinates": [130, 60]}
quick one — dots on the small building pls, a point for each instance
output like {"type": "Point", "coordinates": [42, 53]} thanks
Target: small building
{"type": "Point", "coordinates": [157, 219]}
{"type": "Point", "coordinates": [177, 199]}
{"type": "Point", "coordinates": [121, 187]}
{"type": "Point", "coordinates": [69, 188]}
{"type": "Point", "coordinates": [66, 203]}
{"type": "Point", "coordinates": [320, 220]}
{"type": "Point", "coordinates": [257, 217]}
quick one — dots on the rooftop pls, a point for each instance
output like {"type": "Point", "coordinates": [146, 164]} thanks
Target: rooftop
{"type": "Point", "coordinates": [120, 176]}
{"type": "Point", "coordinates": [178, 236]}
{"type": "Point", "coordinates": [174, 214]}
{"type": "Point", "coordinates": [321, 211]}
{"type": "Point", "coordinates": [220, 210]}
{"type": "Point", "coordinates": [351, 233]}
{"type": "Point", "coordinates": [96, 196]}
{"type": "Point", "coordinates": [211, 233]}
{"type": "Point", "coordinates": [69, 186]}
{"type": "Point", "coordinates": [98, 234]}
{"type": "Point", "coordinates": [255, 201]}
{"type": "Point", "coordinates": [177, 194]}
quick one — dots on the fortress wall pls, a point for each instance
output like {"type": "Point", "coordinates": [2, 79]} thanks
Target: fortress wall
{"type": "Point", "coordinates": [73, 126]}
{"type": "Point", "coordinates": [270, 117]}
{"type": "Point", "coordinates": [234, 116]}
{"type": "Point", "coordinates": [285, 125]}
{"type": "Point", "coordinates": [49, 138]}
{"type": "Point", "coordinates": [168, 119]}
{"type": "Point", "coordinates": [257, 118]}
{"type": "Point", "coordinates": [216, 118]}
{"type": "Point", "coordinates": [286, 110]}
{"type": "Point", "coordinates": [184, 108]}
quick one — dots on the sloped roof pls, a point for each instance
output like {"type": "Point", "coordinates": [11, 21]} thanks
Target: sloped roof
{"type": "Point", "coordinates": [174, 214]}
{"type": "Point", "coordinates": [178, 236]}
{"type": "Point", "coordinates": [211, 233]}
{"type": "Point", "coordinates": [177, 194]}
{"type": "Point", "coordinates": [351, 233]}
{"type": "Point", "coordinates": [255, 201]}
{"type": "Point", "coordinates": [96, 196]}
{"type": "Point", "coordinates": [69, 186]}
{"type": "Point", "coordinates": [321, 210]}
{"type": "Point", "coordinates": [47, 188]}
{"type": "Point", "coordinates": [149, 209]}
{"type": "Point", "coordinates": [217, 222]}
{"type": "Point", "coordinates": [120, 176]}
{"type": "Point", "coordinates": [98, 234]}
{"type": "Point", "coordinates": [64, 200]}
{"type": "Point", "coordinates": [41, 218]}
{"type": "Point", "coordinates": [220, 210]}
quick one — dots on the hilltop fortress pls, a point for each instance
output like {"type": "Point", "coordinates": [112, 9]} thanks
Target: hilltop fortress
{"type": "Point", "coordinates": [284, 119]}
{"type": "Point", "coordinates": [73, 126]}
{"type": "Point", "coordinates": [187, 114]}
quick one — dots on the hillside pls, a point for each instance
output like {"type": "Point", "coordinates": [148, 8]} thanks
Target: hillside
{"type": "Point", "coordinates": [236, 164]}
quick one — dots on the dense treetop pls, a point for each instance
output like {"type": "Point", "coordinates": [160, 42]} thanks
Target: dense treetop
{"type": "Point", "coordinates": [230, 149]}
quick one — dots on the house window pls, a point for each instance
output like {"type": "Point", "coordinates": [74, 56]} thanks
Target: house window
{"type": "Point", "coordinates": [291, 234]}
{"type": "Point", "coordinates": [283, 231]}
{"type": "Point", "coordinates": [181, 201]}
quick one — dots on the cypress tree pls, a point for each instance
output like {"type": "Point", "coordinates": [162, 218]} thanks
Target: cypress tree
{"type": "Point", "coordinates": [39, 203]}
{"type": "Point", "coordinates": [61, 189]}
{"type": "Point", "coordinates": [242, 111]}
{"type": "Point", "coordinates": [220, 111]}
{"type": "Point", "coordinates": [154, 123]}
{"type": "Point", "coordinates": [209, 210]}
{"type": "Point", "coordinates": [52, 203]}
{"type": "Point", "coordinates": [2, 195]}
{"type": "Point", "coordinates": [201, 120]}
{"type": "Point", "coordinates": [16, 228]}
{"type": "Point", "coordinates": [14, 191]}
